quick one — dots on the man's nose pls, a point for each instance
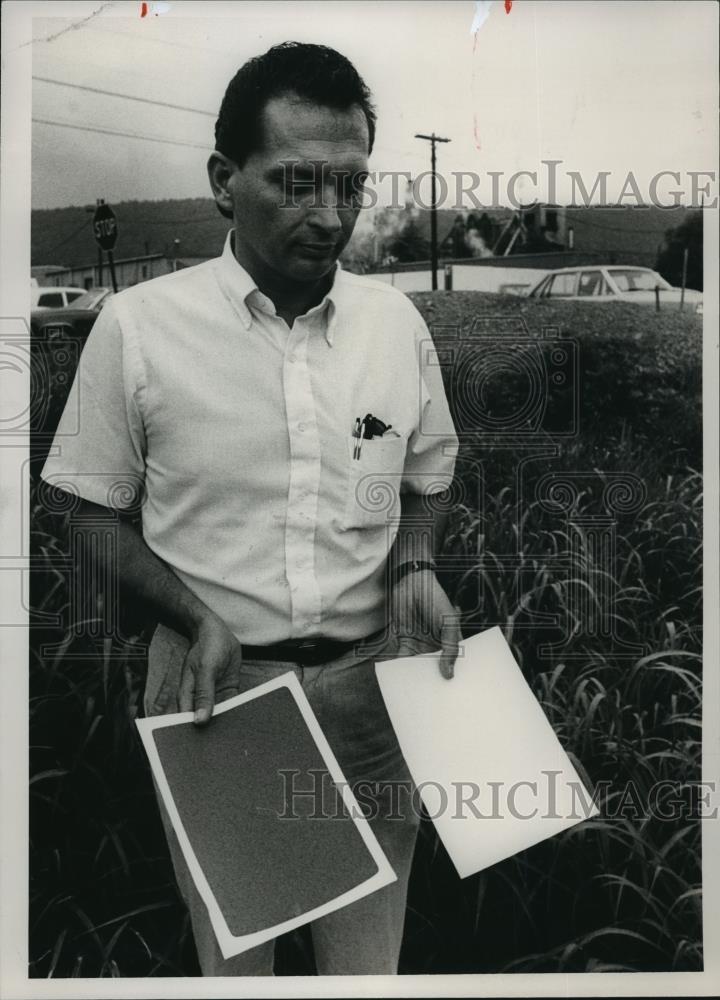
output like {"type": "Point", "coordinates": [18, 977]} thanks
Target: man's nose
{"type": "Point", "coordinates": [324, 214]}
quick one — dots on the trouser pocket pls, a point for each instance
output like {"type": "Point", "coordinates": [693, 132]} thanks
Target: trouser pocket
{"type": "Point", "coordinates": [165, 659]}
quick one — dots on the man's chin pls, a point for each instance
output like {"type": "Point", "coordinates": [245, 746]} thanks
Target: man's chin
{"type": "Point", "coordinates": [304, 268]}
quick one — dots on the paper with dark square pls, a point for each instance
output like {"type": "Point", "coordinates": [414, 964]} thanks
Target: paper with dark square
{"type": "Point", "coordinates": [263, 866]}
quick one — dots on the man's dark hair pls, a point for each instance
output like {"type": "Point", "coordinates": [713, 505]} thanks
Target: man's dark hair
{"type": "Point", "coordinates": [314, 72]}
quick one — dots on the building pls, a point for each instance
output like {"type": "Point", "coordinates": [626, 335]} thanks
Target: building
{"type": "Point", "coordinates": [43, 274]}
{"type": "Point", "coordinates": [128, 271]}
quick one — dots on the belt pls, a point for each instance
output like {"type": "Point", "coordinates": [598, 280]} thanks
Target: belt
{"type": "Point", "coordinates": [304, 652]}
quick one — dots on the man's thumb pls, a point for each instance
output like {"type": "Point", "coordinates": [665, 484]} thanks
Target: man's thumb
{"type": "Point", "coordinates": [204, 695]}
{"type": "Point", "coordinates": [450, 637]}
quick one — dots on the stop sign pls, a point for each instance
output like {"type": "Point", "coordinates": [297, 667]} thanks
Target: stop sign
{"type": "Point", "coordinates": [105, 227]}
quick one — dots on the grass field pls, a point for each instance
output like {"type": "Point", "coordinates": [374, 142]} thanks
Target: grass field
{"type": "Point", "coordinates": [610, 639]}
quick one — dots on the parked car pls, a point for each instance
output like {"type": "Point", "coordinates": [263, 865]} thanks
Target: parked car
{"type": "Point", "coordinates": [68, 321]}
{"type": "Point", "coordinates": [46, 297]}
{"type": "Point", "coordinates": [612, 283]}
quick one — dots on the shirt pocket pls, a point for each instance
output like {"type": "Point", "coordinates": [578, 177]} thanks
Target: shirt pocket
{"type": "Point", "coordinates": [373, 484]}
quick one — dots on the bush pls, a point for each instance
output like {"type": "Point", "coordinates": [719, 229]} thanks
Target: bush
{"type": "Point", "coordinates": [640, 378]}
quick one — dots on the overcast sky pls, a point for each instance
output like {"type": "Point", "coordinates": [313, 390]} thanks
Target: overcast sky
{"type": "Point", "coordinates": [601, 86]}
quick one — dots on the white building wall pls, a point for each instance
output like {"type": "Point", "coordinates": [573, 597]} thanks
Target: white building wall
{"type": "Point", "coordinates": [472, 278]}
{"type": "Point", "coordinates": [466, 278]}
{"type": "Point", "coordinates": [129, 272]}
{"type": "Point", "coordinates": [409, 281]}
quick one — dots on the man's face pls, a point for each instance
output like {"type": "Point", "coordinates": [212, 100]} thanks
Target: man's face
{"type": "Point", "coordinates": [293, 203]}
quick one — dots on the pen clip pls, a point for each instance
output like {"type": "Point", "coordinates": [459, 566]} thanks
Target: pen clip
{"type": "Point", "coordinates": [359, 434]}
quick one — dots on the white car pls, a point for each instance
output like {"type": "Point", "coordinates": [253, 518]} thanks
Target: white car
{"type": "Point", "coordinates": [49, 297]}
{"type": "Point", "coordinates": [613, 283]}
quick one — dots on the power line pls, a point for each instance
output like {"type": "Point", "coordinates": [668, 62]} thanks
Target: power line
{"type": "Point", "coordinates": [160, 41]}
{"type": "Point", "coordinates": [174, 222]}
{"type": "Point", "coordinates": [134, 224]}
{"type": "Point", "coordinates": [127, 135]}
{"type": "Point", "coordinates": [126, 97]}
{"type": "Point", "coordinates": [576, 220]}
{"type": "Point", "coordinates": [76, 232]}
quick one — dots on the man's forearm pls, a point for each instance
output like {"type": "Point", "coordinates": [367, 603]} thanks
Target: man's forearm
{"type": "Point", "coordinates": [212, 662]}
{"type": "Point", "coordinates": [146, 576]}
{"type": "Point", "coordinates": [151, 580]}
{"type": "Point", "coordinates": [419, 608]}
{"type": "Point", "coordinates": [421, 532]}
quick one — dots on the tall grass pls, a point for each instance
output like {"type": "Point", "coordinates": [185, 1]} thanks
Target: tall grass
{"type": "Point", "coordinates": [621, 891]}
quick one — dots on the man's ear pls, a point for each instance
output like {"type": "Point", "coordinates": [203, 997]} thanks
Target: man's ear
{"type": "Point", "coordinates": [220, 169]}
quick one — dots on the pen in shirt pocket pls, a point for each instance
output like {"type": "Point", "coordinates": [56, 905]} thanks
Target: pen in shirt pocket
{"type": "Point", "coordinates": [367, 429]}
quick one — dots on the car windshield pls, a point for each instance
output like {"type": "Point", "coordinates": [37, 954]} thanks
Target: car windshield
{"type": "Point", "coordinates": [95, 298]}
{"type": "Point", "coordinates": [636, 280]}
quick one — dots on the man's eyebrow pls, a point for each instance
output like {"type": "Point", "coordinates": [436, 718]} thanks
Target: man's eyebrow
{"type": "Point", "coordinates": [313, 172]}
{"type": "Point", "coordinates": [294, 170]}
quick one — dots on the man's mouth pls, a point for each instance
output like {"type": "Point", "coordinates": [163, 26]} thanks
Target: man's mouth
{"type": "Point", "coordinates": [317, 249]}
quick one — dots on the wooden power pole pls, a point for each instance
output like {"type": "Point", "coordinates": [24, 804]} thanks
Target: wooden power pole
{"type": "Point", "coordinates": [433, 139]}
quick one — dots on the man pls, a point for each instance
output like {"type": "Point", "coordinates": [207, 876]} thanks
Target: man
{"type": "Point", "coordinates": [232, 398]}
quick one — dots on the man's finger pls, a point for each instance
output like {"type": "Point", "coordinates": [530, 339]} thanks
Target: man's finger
{"type": "Point", "coordinates": [227, 684]}
{"type": "Point", "coordinates": [204, 695]}
{"type": "Point", "coordinates": [450, 637]}
{"type": "Point", "coordinates": [186, 693]}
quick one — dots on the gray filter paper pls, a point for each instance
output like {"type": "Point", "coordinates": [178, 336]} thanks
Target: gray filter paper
{"type": "Point", "coordinates": [264, 860]}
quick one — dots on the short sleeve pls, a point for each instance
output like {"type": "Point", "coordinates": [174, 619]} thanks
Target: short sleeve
{"type": "Point", "coordinates": [99, 445]}
{"type": "Point", "coordinates": [433, 444]}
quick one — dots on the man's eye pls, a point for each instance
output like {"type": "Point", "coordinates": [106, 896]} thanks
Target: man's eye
{"type": "Point", "coordinates": [300, 189]}
{"type": "Point", "coordinates": [352, 192]}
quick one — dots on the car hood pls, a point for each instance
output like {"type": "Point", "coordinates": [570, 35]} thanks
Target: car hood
{"type": "Point", "coordinates": [47, 317]}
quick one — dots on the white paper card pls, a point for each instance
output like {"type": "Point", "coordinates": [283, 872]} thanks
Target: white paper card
{"type": "Point", "coordinates": [489, 768]}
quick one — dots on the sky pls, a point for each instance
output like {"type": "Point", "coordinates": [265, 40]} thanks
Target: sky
{"type": "Point", "coordinates": [613, 86]}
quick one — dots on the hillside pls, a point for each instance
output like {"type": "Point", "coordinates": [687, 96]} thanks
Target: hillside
{"type": "Point", "coordinates": [64, 235]}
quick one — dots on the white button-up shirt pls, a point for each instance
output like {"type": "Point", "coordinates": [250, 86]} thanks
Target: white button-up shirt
{"type": "Point", "coordinates": [240, 430]}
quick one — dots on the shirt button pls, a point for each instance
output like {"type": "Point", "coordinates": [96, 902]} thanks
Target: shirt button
{"type": "Point", "coordinates": [301, 426]}
{"type": "Point", "coordinates": [292, 359]}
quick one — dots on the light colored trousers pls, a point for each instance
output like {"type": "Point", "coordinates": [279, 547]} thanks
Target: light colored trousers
{"type": "Point", "coordinates": [363, 938]}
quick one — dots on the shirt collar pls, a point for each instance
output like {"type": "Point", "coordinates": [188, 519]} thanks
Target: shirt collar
{"type": "Point", "coordinates": [238, 286]}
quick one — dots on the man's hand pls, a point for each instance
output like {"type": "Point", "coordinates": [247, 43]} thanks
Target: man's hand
{"type": "Point", "coordinates": [212, 664]}
{"type": "Point", "coordinates": [420, 607]}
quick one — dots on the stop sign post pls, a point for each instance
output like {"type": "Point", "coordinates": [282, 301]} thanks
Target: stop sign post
{"type": "Point", "coordinates": [106, 234]}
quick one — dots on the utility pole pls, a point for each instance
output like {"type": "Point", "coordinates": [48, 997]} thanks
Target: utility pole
{"type": "Point", "coordinates": [432, 139]}
{"type": "Point", "coordinates": [90, 208]}
{"type": "Point", "coordinates": [684, 277]}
